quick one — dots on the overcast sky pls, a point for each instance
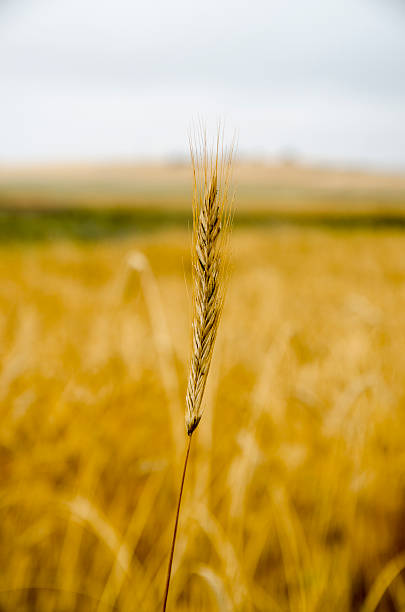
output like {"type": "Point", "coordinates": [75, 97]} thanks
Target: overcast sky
{"type": "Point", "coordinates": [118, 79]}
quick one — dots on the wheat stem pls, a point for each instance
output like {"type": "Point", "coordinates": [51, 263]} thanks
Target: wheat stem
{"type": "Point", "coordinates": [176, 522]}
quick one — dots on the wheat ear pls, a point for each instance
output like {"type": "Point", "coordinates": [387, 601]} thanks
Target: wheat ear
{"type": "Point", "coordinates": [211, 224]}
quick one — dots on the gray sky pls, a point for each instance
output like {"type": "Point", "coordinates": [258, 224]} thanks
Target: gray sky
{"type": "Point", "coordinates": [117, 79]}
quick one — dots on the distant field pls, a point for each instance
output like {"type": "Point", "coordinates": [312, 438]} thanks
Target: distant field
{"type": "Point", "coordinates": [259, 186]}
{"type": "Point", "coordinates": [100, 202]}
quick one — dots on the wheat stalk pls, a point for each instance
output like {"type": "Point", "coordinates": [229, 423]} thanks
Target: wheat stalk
{"type": "Point", "coordinates": [211, 224]}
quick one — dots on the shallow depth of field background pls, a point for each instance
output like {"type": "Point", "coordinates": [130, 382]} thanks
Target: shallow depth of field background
{"type": "Point", "coordinates": [295, 496]}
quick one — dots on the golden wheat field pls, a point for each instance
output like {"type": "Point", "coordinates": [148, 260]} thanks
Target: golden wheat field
{"type": "Point", "coordinates": [295, 495]}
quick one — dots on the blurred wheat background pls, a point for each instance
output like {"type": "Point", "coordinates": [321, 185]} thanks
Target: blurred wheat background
{"type": "Point", "coordinates": [295, 495]}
